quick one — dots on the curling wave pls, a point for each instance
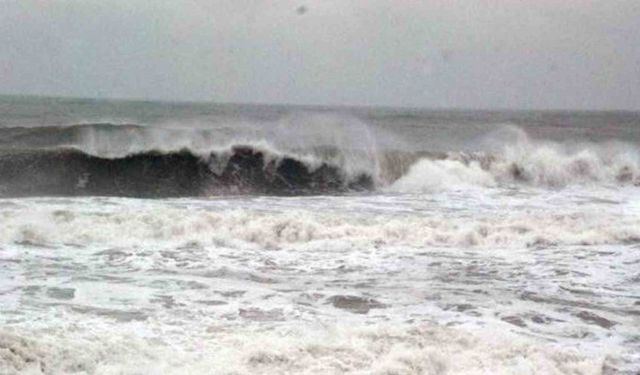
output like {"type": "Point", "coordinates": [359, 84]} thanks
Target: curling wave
{"type": "Point", "coordinates": [239, 169]}
{"type": "Point", "coordinates": [137, 161]}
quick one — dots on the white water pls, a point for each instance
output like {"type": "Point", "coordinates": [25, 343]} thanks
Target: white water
{"type": "Point", "coordinates": [469, 280]}
{"type": "Point", "coordinates": [502, 220]}
{"type": "Point", "coordinates": [309, 349]}
{"type": "Point", "coordinates": [534, 163]}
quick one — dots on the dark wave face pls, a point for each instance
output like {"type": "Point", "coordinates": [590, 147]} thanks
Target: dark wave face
{"type": "Point", "coordinates": [148, 161]}
{"type": "Point", "coordinates": [69, 172]}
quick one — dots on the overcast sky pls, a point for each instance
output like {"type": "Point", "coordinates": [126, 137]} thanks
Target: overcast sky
{"type": "Point", "coordinates": [575, 54]}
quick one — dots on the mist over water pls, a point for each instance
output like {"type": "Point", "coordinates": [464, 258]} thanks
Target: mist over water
{"type": "Point", "coordinates": [316, 240]}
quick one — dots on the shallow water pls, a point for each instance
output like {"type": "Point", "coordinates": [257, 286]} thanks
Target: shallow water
{"type": "Point", "coordinates": [526, 281]}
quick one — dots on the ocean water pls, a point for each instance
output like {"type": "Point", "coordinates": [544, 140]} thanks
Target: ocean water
{"type": "Point", "coordinates": [160, 238]}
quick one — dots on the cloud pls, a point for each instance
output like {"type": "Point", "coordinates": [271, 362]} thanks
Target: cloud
{"type": "Point", "coordinates": [472, 53]}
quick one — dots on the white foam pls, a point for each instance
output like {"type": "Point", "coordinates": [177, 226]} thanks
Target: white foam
{"type": "Point", "coordinates": [137, 223]}
{"type": "Point", "coordinates": [523, 161]}
{"type": "Point", "coordinates": [434, 175]}
{"type": "Point", "coordinates": [382, 349]}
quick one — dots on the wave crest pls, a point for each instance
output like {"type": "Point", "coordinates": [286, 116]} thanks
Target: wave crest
{"type": "Point", "coordinates": [535, 164]}
{"type": "Point", "coordinates": [236, 170]}
{"type": "Point", "coordinates": [298, 158]}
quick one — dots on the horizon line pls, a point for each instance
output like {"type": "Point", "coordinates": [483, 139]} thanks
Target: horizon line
{"type": "Point", "coordinates": [314, 106]}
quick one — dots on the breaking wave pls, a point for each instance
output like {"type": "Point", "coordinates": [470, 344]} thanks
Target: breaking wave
{"type": "Point", "coordinates": [241, 169]}
{"type": "Point", "coordinates": [135, 161]}
{"type": "Point", "coordinates": [539, 164]}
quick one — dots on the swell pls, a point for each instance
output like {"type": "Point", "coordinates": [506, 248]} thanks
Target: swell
{"type": "Point", "coordinates": [52, 136]}
{"type": "Point", "coordinates": [241, 169]}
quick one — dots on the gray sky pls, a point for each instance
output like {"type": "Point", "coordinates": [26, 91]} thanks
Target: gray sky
{"type": "Point", "coordinates": [576, 54]}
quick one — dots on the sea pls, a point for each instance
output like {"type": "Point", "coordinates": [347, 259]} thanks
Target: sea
{"type": "Point", "coordinates": [142, 237]}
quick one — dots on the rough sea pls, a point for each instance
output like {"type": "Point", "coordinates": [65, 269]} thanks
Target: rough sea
{"type": "Point", "coordinates": [165, 238]}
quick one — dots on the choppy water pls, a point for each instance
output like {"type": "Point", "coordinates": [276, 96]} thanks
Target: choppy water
{"type": "Point", "coordinates": [487, 242]}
